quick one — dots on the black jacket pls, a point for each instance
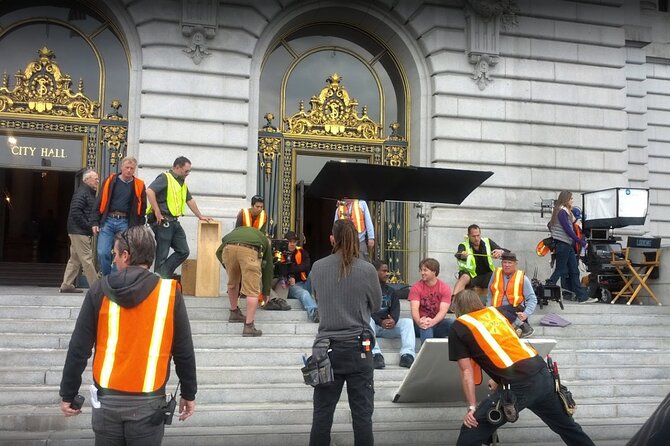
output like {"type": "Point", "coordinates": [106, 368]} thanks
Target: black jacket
{"type": "Point", "coordinates": [127, 288]}
{"type": "Point", "coordinates": [82, 211]}
{"type": "Point", "coordinates": [390, 305]}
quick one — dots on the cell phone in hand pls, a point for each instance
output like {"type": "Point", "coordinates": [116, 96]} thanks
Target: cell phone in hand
{"type": "Point", "coordinates": [77, 402]}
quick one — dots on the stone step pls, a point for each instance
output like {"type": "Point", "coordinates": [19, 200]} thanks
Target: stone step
{"type": "Point", "coordinates": [286, 357]}
{"type": "Point", "coordinates": [416, 433]}
{"type": "Point", "coordinates": [304, 341]}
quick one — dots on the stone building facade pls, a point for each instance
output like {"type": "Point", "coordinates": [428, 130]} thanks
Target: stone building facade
{"type": "Point", "coordinates": [548, 95]}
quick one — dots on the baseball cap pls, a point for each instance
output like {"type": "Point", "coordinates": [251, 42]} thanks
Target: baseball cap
{"type": "Point", "coordinates": [290, 235]}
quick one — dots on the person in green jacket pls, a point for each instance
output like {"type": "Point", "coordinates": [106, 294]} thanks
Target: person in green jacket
{"type": "Point", "coordinates": [246, 255]}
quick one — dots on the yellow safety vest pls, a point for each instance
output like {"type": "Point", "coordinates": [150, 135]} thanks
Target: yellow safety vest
{"type": "Point", "coordinates": [175, 196]}
{"type": "Point", "coordinates": [469, 265]}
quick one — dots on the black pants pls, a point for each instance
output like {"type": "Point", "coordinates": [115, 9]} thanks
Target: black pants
{"type": "Point", "coordinates": [171, 237]}
{"type": "Point", "coordinates": [126, 421]}
{"type": "Point", "coordinates": [359, 374]}
{"type": "Point", "coordinates": [538, 395]}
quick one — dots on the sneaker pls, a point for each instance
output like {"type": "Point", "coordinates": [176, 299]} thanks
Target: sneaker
{"type": "Point", "coordinates": [406, 360]}
{"type": "Point", "coordinates": [526, 330]}
{"type": "Point", "coordinates": [236, 315]}
{"type": "Point", "coordinates": [70, 289]}
{"type": "Point", "coordinates": [590, 300]}
{"type": "Point", "coordinates": [277, 305]}
{"type": "Point", "coordinates": [250, 331]}
{"type": "Point", "coordinates": [316, 317]}
{"type": "Point", "coordinates": [378, 359]}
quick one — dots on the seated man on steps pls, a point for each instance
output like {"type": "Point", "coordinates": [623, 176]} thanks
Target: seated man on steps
{"type": "Point", "coordinates": [475, 260]}
{"type": "Point", "coordinates": [509, 287]}
{"type": "Point", "coordinates": [386, 323]}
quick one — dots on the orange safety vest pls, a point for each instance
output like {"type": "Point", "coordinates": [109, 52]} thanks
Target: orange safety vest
{"type": "Point", "coordinates": [297, 256]}
{"type": "Point", "coordinates": [104, 201]}
{"type": "Point", "coordinates": [356, 215]}
{"type": "Point", "coordinates": [578, 233]}
{"type": "Point", "coordinates": [496, 337]}
{"type": "Point", "coordinates": [498, 291]}
{"type": "Point", "coordinates": [257, 222]}
{"type": "Point", "coordinates": [134, 345]}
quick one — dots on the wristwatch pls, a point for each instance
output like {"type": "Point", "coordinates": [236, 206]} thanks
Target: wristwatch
{"type": "Point", "coordinates": [472, 408]}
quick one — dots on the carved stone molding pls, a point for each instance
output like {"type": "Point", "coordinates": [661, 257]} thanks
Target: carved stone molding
{"type": "Point", "coordinates": [198, 24]}
{"type": "Point", "coordinates": [483, 21]}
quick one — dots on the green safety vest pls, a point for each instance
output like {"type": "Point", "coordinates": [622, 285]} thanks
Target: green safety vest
{"type": "Point", "coordinates": [469, 265]}
{"type": "Point", "coordinates": [176, 196]}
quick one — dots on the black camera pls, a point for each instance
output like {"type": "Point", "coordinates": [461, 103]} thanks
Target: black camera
{"type": "Point", "coordinates": [279, 245]}
{"type": "Point", "coordinates": [169, 410]}
{"type": "Point", "coordinates": [77, 402]}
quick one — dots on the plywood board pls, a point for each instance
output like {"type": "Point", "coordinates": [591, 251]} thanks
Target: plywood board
{"type": "Point", "coordinates": [208, 271]}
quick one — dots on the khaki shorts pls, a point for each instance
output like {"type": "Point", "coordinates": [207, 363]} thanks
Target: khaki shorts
{"type": "Point", "coordinates": [243, 266]}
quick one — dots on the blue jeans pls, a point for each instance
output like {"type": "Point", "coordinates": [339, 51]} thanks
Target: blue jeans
{"type": "Point", "coordinates": [440, 330]}
{"type": "Point", "coordinates": [567, 269]}
{"type": "Point", "coordinates": [358, 373]}
{"type": "Point", "coordinates": [537, 393]}
{"type": "Point", "coordinates": [404, 330]}
{"type": "Point", "coordinates": [109, 229]}
{"type": "Point", "coordinates": [306, 299]}
{"type": "Point", "coordinates": [171, 237]}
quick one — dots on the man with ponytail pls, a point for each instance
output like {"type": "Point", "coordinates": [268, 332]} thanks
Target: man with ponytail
{"type": "Point", "coordinates": [347, 290]}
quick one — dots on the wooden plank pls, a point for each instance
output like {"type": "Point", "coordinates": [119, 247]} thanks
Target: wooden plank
{"type": "Point", "coordinates": [208, 270]}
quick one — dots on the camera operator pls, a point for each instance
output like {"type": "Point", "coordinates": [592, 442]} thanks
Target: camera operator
{"type": "Point", "coordinates": [293, 268]}
{"type": "Point", "coordinates": [124, 316]}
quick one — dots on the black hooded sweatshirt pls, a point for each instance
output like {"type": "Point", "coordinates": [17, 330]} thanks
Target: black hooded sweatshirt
{"type": "Point", "coordinates": [127, 288]}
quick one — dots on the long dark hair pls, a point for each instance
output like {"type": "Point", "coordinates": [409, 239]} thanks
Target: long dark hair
{"type": "Point", "coordinates": [346, 243]}
{"type": "Point", "coordinates": [563, 200]}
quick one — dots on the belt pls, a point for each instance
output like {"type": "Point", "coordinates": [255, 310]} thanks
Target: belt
{"type": "Point", "coordinates": [118, 214]}
{"type": "Point", "coordinates": [247, 245]}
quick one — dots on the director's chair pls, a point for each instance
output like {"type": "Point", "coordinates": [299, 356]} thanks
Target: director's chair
{"type": "Point", "coordinates": [636, 273]}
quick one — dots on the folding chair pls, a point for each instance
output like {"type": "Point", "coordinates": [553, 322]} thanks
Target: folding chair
{"type": "Point", "coordinates": [636, 273]}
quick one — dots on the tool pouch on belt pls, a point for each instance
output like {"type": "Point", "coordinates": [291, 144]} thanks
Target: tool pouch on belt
{"type": "Point", "coordinates": [318, 370]}
{"type": "Point", "coordinates": [508, 404]}
{"type": "Point", "coordinates": [565, 396]}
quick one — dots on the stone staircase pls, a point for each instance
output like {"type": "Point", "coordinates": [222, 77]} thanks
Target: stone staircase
{"type": "Point", "coordinates": [614, 358]}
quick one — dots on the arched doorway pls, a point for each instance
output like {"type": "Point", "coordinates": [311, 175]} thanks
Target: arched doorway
{"type": "Point", "coordinates": [359, 70]}
{"type": "Point", "coordinates": [69, 60]}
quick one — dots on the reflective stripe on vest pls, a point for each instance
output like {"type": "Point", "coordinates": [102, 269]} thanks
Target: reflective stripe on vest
{"type": "Point", "coordinates": [257, 222]}
{"type": "Point", "coordinates": [496, 337]}
{"type": "Point", "coordinates": [298, 261]}
{"type": "Point", "coordinates": [498, 290]}
{"type": "Point", "coordinates": [133, 345]}
{"type": "Point", "coordinates": [356, 215]}
{"type": "Point", "coordinates": [104, 200]}
{"type": "Point", "coordinates": [469, 265]}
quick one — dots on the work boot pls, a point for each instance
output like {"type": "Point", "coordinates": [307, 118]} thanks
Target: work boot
{"type": "Point", "coordinates": [406, 360]}
{"type": "Point", "coordinates": [277, 304]}
{"type": "Point", "coordinates": [378, 360]}
{"type": "Point", "coordinates": [236, 315]}
{"type": "Point", "coordinates": [70, 289]}
{"type": "Point", "coordinates": [526, 330]}
{"type": "Point", "coordinates": [250, 330]}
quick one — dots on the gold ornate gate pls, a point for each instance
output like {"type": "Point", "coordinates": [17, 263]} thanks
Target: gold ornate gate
{"type": "Point", "coordinates": [332, 128]}
{"type": "Point", "coordinates": [42, 105]}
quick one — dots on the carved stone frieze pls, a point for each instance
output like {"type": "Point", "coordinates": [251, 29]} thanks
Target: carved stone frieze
{"type": "Point", "coordinates": [198, 24]}
{"type": "Point", "coordinates": [42, 89]}
{"type": "Point", "coordinates": [483, 21]}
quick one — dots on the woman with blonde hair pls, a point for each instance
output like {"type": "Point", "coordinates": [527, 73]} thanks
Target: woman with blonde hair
{"type": "Point", "coordinates": [562, 230]}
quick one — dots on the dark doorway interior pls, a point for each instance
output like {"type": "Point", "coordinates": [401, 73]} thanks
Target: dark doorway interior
{"type": "Point", "coordinates": [319, 214]}
{"type": "Point", "coordinates": [33, 215]}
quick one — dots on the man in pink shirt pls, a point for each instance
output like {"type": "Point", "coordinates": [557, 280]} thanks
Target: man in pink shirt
{"type": "Point", "coordinates": [429, 301]}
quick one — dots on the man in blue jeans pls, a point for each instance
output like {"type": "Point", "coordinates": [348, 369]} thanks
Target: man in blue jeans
{"type": "Point", "coordinates": [121, 204]}
{"type": "Point", "coordinates": [386, 323]}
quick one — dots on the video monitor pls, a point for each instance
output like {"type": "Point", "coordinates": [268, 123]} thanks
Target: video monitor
{"type": "Point", "coordinates": [615, 208]}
